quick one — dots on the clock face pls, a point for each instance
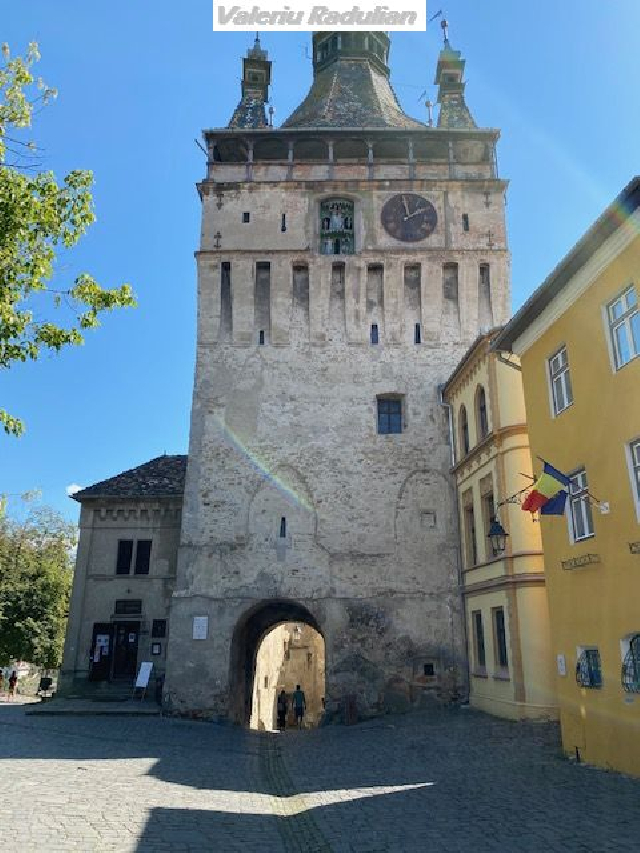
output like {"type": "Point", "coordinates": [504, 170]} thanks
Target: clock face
{"type": "Point", "coordinates": [409, 217]}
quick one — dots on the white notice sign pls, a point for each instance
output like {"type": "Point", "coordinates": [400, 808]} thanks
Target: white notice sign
{"type": "Point", "coordinates": [200, 627]}
{"type": "Point", "coordinates": [143, 674]}
{"type": "Point", "coordinates": [562, 665]}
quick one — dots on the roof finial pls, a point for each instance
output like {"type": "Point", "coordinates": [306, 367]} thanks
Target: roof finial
{"type": "Point", "coordinates": [445, 30]}
{"type": "Point", "coordinates": [257, 41]}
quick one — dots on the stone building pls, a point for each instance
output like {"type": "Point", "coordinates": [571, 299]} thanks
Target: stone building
{"type": "Point", "coordinates": [347, 260]}
{"type": "Point", "coordinates": [125, 574]}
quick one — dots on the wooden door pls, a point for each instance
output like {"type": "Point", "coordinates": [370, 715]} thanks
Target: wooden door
{"type": "Point", "coordinates": [101, 652]}
{"type": "Point", "coordinates": [125, 649]}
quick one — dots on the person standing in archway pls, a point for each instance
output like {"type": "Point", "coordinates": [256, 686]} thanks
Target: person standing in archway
{"type": "Point", "coordinates": [282, 709]}
{"type": "Point", "coordinates": [299, 704]}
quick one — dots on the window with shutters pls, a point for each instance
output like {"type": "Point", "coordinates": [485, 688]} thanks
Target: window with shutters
{"type": "Point", "coordinates": [125, 555]}
{"type": "Point", "coordinates": [143, 556]}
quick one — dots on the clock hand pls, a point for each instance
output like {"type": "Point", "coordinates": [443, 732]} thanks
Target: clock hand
{"type": "Point", "coordinates": [415, 213]}
{"type": "Point", "coordinates": [406, 206]}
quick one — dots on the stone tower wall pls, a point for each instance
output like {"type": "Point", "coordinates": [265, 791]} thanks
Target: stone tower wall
{"type": "Point", "coordinates": [288, 429]}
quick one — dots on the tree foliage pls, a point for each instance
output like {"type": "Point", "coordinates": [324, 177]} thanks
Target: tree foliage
{"type": "Point", "coordinates": [36, 570]}
{"type": "Point", "coordinates": [38, 218]}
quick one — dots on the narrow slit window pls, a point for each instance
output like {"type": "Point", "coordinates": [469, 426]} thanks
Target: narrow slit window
{"type": "Point", "coordinates": [465, 221]}
{"type": "Point", "coordinates": [417, 334]}
{"type": "Point", "coordinates": [246, 216]}
{"type": "Point", "coordinates": [261, 338]}
{"type": "Point", "coordinates": [283, 222]}
{"type": "Point", "coordinates": [374, 333]}
{"type": "Point", "coordinates": [283, 528]}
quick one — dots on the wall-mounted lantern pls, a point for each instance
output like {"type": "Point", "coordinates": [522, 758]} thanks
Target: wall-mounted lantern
{"type": "Point", "coordinates": [498, 537]}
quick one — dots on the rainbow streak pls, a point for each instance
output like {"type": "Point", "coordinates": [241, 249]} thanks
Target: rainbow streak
{"type": "Point", "coordinates": [261, 466]}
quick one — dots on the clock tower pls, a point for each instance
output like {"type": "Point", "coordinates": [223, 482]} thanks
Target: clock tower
{"type": "Point", "coordinates": [348, 258]}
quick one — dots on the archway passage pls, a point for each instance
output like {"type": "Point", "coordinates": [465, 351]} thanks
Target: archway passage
{"type": "Point", "coordinates": [289, 655]}
{"type": "Point", "coordinates": [258, 649]}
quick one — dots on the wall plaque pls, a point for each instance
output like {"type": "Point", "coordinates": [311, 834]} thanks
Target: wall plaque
{"type": "Point", "coordinates": [580, 562]}
{"type": "Point", "coordinates": [200, 627]}
{"type": "Point", "coordinates": [634, 547]}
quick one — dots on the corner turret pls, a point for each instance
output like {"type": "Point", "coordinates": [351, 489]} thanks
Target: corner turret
{"type": "Point", "coordinates": [454, 112]}
{"type": "Point", "coordinates": [256, 79]}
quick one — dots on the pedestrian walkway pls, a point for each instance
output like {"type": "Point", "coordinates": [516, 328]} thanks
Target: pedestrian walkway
{"type": "Point", "coordinates": [448, 782]}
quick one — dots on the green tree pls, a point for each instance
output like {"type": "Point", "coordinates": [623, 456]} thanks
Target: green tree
{"type": "Point", "coordinates": [38, 218]}
{"type": "Point", "coordinates": [36, 570]}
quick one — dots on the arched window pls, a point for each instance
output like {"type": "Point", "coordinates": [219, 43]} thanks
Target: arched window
{"type": "Point", "coordinates": [463, 428]}
{"type": "Point", "coordinates": [482, 421]}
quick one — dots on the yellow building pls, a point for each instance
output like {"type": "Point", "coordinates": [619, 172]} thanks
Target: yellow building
{"type": "Point", "coordinates": [578, 338]}
{"type": "Point", "coordinates": [506, 613]}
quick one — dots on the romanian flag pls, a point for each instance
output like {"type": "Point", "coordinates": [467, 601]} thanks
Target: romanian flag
{"type": "Point", "coordinates": [549, 493]}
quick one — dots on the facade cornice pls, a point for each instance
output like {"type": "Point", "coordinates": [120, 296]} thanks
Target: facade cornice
{"type": "Point", "coordinates": [495, 437]}
{"type": "Point", "coordinates": [505, 582]}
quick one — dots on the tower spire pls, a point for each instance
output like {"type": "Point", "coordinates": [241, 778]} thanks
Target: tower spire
{"type": "Point", "coordinates": [351, 85]}
{"type": "Point", "coordinates": [450, 82]}
{"type": "Point", "coordinates": [256, 78]}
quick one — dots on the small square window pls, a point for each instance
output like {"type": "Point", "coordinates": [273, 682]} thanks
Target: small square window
{"type": "Point", "coordinates": [246, 216]}
{"type": "Point", "coordinates": [159, 628]}
{"type": "Point", "coordinates": [374, 333]}
{"type": "Point", "coordinates": [389, 415]}
{"type": "Point", "coordinates": [156, 648]}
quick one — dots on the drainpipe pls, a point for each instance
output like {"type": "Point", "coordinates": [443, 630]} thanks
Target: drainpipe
{"type": "Point", "coordinates": [465, 637]}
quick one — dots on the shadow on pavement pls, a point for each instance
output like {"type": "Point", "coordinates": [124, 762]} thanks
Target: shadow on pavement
{"type": "Point", "coordinates": [457, 781]}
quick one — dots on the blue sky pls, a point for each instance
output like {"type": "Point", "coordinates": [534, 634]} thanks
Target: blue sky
{"type": "Point", "coordinates": [138, 81]}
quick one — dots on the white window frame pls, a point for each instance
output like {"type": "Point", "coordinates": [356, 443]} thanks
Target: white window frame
{"type": "Point", "coordinates": [562, 375]}
{"type": "Point", "coordinates": [632, 449]}
{"type": "Point", "coordinates": [580, 498]}
{"type": "Point", "coordinates": [628, 312]}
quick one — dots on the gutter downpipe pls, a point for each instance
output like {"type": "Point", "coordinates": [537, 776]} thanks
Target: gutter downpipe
{"type": "Point", "coordinates": [463, 605]}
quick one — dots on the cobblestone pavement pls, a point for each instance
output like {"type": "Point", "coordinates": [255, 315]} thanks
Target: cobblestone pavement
{"type": "Point", "coordinates": [448, 782]}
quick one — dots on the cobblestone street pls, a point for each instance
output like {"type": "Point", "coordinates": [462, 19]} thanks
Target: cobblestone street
{"type": "Point", "coordinates": [451, 781]}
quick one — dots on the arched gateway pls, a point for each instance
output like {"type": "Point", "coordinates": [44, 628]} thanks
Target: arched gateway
{"type": "Point", "coordinates": [248, 635]}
